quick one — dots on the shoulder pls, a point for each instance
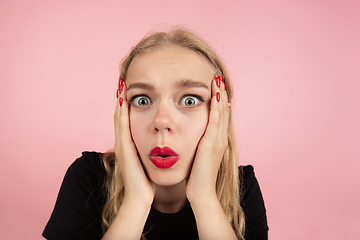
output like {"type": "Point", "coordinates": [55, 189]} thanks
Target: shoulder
{"type": "Point", "coordinates": [90, 164]}
{"type": "Point", "coordinates": [247, 178]}
{"type": "Point", "coordinates": [246, 171]}
{"type": "Point", "coordinates": [86, 171]}
{"type": "Point", "coordinates": [87, 160]}
{"type": "Point", "coordinates": [253, 205]}
{"type": "Point", "coordinates": [77, 211]}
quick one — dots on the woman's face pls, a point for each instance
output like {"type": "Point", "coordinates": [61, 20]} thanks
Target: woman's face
{"type": "Point", "coordinates": [169, 92]}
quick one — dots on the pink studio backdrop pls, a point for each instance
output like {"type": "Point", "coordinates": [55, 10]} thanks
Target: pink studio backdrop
{"type": "Point", "coordinates": [294, 65]}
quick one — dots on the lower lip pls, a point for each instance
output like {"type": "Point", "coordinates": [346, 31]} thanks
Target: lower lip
{"type": "Point", "coordinates": [167, 162]}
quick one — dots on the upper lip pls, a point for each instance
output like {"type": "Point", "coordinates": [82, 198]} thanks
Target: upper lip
{"type": "Point", "coordinates": [163, 151]}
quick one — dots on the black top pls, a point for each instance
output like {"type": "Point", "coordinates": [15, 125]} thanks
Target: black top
{"type": "Point", "coordinates": [78, 208]}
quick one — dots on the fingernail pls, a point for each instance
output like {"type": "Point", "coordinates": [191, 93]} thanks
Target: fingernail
{"type": "Point", "coordinates": [120, 83]}
{"type": "Point", "coordinates": [117, 93]}
{"type": "Point", "coordinates": [217, 80]}
{"type": "Point", "coordinates": [218, 96]}
{"type": "Point", "coordinates": [221, 79]}
{"type": "Point", "coordinates": [121, 101]}
{"type": "Point", "coordinates": [121, 87]}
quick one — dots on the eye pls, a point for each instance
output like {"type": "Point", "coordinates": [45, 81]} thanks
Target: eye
{"type": "Point", "coordinates": [190, 100]}
{"type": "Point", "coordinates": [140, 101]}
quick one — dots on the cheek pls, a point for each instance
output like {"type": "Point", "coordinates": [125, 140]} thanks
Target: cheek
{"type": "Point", "coordinates": [136, 128]}
{"type": "Point", "coordinates": [197, 127]}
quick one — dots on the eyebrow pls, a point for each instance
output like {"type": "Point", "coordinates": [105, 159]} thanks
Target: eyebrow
{"type": "Point", "coordinates": [185, 83]}
{"type": "Point", "coordinates": [140, 85]}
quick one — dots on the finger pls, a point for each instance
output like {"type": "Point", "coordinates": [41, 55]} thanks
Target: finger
{"type": "Point", "coordinates": [219, 115]}
{"type": "Point", "coordinates": [214, 116]}
{"type": "Point", "coordinates": [224, 110]}
{"type": "Point", "coordinates": [121, 118]}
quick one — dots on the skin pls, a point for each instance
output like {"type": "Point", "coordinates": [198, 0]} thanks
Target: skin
{"type": "Point", "coordinates": [167, 120]}
{"type": "Point", "coordinates": [197, 133]}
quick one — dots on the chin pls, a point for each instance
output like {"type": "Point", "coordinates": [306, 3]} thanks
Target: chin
{"type": "Point", "coordinates": [167, 178]}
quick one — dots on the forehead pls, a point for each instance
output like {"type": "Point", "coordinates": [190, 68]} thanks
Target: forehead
{"type": "Point", "coordinates": [170, 63]}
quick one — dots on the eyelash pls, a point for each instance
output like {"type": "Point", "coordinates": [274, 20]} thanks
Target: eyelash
{"type": "Point", "coordinates": [133, 98]}
{"type": "Point", "coordinates": [193, 95]}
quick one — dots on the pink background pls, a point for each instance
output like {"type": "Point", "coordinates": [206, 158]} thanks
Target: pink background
{"type": "Point", "coordinates": [295, 66]}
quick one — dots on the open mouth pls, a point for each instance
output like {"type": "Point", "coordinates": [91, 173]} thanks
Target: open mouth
{"type": "Point", "coordinates": [163, 157]}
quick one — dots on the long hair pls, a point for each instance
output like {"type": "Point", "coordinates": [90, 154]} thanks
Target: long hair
{"type": "Point", "coordinates": [227, 183]}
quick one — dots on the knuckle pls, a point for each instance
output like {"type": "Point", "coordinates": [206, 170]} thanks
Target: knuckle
{"type": "Point", "coordinates": [216, 122]}
{"type": "Point", "coordinates": [122, 126]}
{"type": "Point", "coordinates": [228, 108]}
{"type": "Point", "coordinates": [223, 114]}
{"type": "Point", "coordinates": [215, 119]}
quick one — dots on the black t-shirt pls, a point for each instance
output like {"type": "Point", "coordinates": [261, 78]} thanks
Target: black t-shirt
{"type": "Point", "coordinates": [78, 208]}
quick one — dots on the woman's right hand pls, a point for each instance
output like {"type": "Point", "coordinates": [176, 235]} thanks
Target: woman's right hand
{"type": "Point", "coordinates": [139, 189]}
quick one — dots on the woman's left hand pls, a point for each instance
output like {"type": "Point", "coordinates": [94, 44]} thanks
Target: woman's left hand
{"type": "Point", "coordinates": [201, 183]}
{"type": "Point", "coordinates": [211, 220]}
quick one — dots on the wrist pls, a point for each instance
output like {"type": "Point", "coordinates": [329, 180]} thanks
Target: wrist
{"type": "Point", "coordinates": [136, 203]}
{"type": "Point", "coordinates": [129, 222]}
{"type": "Point", "coordinates": [203, 199]}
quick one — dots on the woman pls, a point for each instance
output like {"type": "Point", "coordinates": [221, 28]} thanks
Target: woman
{"type": "Point", "coordinates": [173, 173]}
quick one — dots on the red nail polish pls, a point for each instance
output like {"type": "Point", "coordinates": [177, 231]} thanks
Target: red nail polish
{"type": "Point", "coordinates": [121, 83]}
{"type": "Point", "coordinates": [221, 79]}
{"type": "Point", "coordinates": [218, 96]}
{"type": "Point", "coordinates": [117, 93]}
{"type": "Point", "coordinates": [217, 80]}
{"type": "Point", "coordinates": [121, 101]}
{"type": "Point", "coordinates": [121, 87]}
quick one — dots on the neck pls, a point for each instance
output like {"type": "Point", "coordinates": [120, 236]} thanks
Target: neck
{"type": "Point", "coordinates": [170, 199]}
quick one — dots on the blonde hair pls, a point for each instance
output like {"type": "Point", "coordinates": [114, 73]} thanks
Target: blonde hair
{"type": "Point", "coordinates": [227, 183]}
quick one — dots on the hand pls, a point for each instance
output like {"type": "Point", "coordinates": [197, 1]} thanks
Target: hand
{"type": "Point", "coordinates": [202, 180]}
{"type": "Point", "coordinates": [211, 220]}
{"type": "Point", "coordinates": [138, 187]}
{"type": "Point", "coordinates": [139, 190]}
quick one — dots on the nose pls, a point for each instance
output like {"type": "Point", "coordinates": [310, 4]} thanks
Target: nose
{"type": "Point", "coordinates": [163, 119]}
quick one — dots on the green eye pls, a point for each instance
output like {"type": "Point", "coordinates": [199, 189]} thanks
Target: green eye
{"type": "Point", "coordinates": [141, 101]}
{"type": "Point", "coordinates": [189, 101]}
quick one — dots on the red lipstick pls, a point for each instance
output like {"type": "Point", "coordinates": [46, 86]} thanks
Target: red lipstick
{"type": "Point", "coordinates": [163, 157]}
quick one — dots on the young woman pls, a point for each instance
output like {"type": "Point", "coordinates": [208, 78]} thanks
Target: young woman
{"type": "Point", "coordinates": [173, 173]}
